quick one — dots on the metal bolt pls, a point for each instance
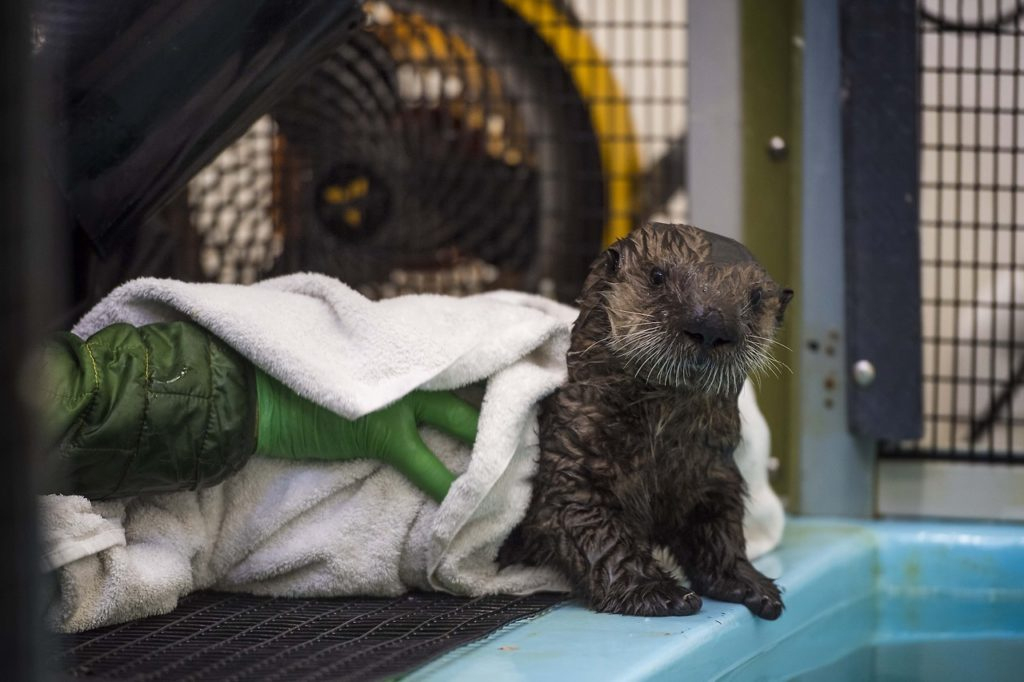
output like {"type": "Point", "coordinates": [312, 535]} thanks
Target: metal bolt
{"type": "Point", "coordinates": [864, 373]}
{"type": "Point", "coordinates": [777, 147]}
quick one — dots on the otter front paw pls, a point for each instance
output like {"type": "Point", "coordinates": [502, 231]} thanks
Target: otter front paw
{"type": "Point", "coordinates": [758, 593]}
{"type": "Point", "coordinates": [662, 598]}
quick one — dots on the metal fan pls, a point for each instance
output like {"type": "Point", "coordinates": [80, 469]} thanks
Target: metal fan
{"type": "Point", "coordinates": [450, 146]}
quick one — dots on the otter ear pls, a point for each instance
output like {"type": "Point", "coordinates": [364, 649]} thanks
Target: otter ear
{"type": "Point", "coordinates": [785, 296]}
{"type": "Point", "coordinates": [612, 260]}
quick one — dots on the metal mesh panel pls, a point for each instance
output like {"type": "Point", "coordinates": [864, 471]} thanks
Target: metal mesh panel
{"type": "Point", "coordinates": [223, 637]}
{"type": "Point", "coordinates": [456, 146]}
{"type": "Point", "coordinates": [972, 244]}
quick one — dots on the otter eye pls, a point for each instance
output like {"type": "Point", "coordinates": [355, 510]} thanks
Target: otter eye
{"type": "Point", "coordinates": [755, 296]}
{"type": "Point", "coordinates": [657, 277]}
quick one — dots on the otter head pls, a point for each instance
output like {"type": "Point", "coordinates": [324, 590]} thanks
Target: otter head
{"type": "Point", "coordinates": [686, 308]}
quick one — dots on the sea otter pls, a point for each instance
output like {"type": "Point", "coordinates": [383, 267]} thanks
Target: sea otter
{"type": "Point", "coordinates": [636, 449]}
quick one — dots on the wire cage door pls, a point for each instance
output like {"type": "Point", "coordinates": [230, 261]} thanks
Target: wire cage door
{"type": "Point", "coordinates": [972, 236]}
{"type": "Point", "coordinates": [965, 461]}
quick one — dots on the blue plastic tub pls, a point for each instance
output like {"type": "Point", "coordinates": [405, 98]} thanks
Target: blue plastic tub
{"type": "Point", "coordinates": [864, 601]}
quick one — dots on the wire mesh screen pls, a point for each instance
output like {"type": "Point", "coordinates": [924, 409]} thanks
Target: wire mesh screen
{"type": "Point", "coordinates": [457, 146]}
{"type": "Point", "coordinates": [972, 165]}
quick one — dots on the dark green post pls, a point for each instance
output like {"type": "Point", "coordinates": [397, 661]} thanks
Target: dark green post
{"type": "Point", "coordinates": [770, 91]}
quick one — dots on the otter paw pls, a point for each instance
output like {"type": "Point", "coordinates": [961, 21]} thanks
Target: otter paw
{"type": "Point", "coordinates": [666, 598]}
{"type": "Point", "coordinates": [759, 594]}
{"type": "Point", "coordinates": [764, 606]}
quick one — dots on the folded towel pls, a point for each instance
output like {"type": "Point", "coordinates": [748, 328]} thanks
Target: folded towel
{"type": "Point", "coordinates": [351, 528]}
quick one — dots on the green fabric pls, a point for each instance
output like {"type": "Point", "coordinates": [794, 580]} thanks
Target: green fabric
{"type": "Point", "coordinates": [292, 427]}
{"type": "Point", "coordinates": [170, 407]}
{"type": "Point", "coordinates": [144, 410]}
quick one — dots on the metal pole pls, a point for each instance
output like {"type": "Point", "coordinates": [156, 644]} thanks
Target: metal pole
{"type": "Point", "coordinates": [836, 467]}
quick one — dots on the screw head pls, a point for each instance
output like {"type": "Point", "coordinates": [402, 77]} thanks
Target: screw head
{"type": "Point", "coordinates": [864, 373]}
{"type": "Point", "coordinates": [777, 147]}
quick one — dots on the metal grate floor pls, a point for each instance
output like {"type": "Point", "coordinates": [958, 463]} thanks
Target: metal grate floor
{"type": "Point", "coordinates": [218, 636]}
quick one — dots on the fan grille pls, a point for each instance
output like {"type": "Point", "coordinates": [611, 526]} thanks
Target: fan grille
{"type": "Point", "coordinates": [446, 148]}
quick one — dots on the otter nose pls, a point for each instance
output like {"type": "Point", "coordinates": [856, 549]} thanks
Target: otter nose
{"type": "Point", "coordinates": [710, 331]}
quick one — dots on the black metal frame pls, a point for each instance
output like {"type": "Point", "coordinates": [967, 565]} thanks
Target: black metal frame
{"type": "Point", "coordinates": [880, 176]}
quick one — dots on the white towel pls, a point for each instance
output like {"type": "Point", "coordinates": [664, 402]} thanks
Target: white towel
{"type": "Point", "coordinates": [351, 528]}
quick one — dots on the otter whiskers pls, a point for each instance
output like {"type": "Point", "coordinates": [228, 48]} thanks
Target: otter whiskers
{"type": "Point", "coordinates": [760, 357]}
{"type": "Point", "coordinates": [641, 345]}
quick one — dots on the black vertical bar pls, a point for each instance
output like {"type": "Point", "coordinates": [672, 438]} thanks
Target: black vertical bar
{"type": "Point", "coordinates": [880, 167]}
{"type": "Point", "coordinates": [1014, 361]}
{"type": "Point", "coordinates": [999, 143]}
{"type": "Point", "coordinates": [20, 239]}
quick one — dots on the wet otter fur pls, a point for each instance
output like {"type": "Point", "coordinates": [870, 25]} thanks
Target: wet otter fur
{"type": "Point", "coordinates": [636, 449]}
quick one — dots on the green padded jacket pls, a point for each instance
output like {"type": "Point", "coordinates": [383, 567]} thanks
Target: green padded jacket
{"type": "Point", "coordinates": [150, 409]}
